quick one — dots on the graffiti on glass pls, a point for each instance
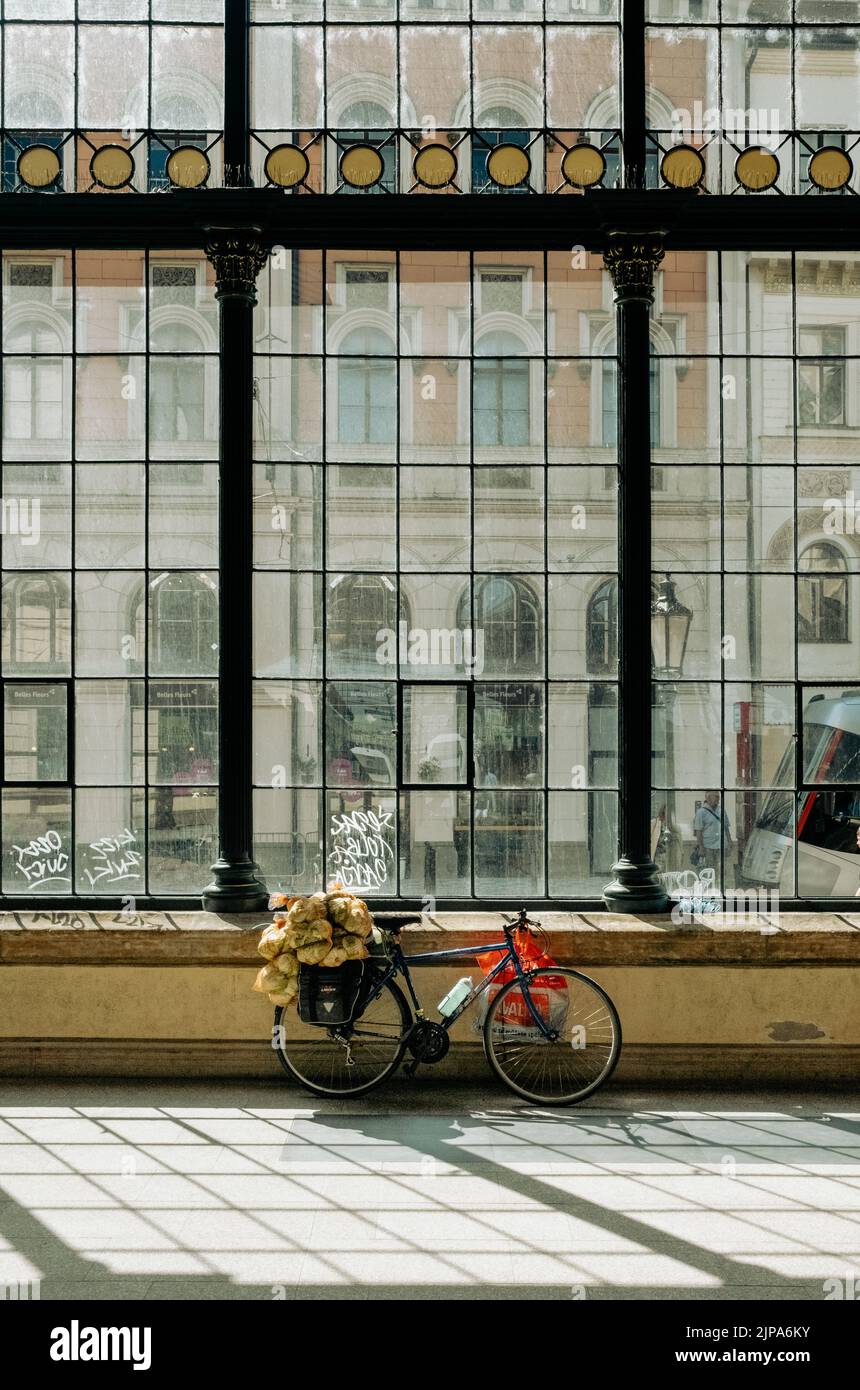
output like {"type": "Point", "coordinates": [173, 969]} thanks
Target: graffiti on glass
{"type": "Point", "coordinates": [43, 862]}
{"type": "Point", "coordinates": [114, 858]}
{"type": "Point", "coordinates": [361, 853]}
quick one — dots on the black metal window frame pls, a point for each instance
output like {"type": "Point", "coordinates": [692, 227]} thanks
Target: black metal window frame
{"type": "Point", "coordinates": [595, 221]}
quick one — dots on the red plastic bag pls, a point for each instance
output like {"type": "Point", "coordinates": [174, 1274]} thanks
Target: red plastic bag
{"type": "Point", "coordinates": [517, 1013]}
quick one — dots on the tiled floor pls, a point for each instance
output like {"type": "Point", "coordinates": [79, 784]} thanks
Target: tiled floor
{"type": "Point", "coordinates": [222, 1191]}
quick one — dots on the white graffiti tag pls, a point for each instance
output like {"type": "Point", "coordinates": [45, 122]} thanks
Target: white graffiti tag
{"type": "Point", "coordinates": [43, 861]}
{"type": "Point", "coordinates": [360, 852]}
{"type": "Point", "coordinates": [115, 860]}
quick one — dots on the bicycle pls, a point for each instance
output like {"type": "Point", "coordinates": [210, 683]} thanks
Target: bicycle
{"type": "Point", "coordinates": [551, 1034]}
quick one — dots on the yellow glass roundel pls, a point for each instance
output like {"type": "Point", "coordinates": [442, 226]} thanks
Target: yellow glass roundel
{"type": "Point", "coordinates": [188, 167]}
{"type": "Point", "coordinates": [583, 166]}
{"type": "Point", "coordinates": [682, 167]}
{"type": "Point", "coordinates": [830, 167]}
{"type": "Point", "coordinates": [757, 169]}
{"type": "Point", "coordinates": [38, 166]}
{"type": "Point", "coordinates": [286, 165]}
{"type": "Point", "coordinates": [112, 166]}
{"type": "Point", "coordinates": [508, 165]}
{"type": "Point", "coordinates": [434, 166]}
{"type": "Point", "coordinates": [361, 166]}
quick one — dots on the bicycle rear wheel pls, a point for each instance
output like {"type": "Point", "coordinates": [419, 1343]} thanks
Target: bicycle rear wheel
{"type": "Point", "coordinates": [345, 1061]}
{"type": "Point", "coordinates": [580, 1058]}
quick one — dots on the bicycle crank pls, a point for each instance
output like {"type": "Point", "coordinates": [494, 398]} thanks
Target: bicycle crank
{"type": "Point", "coordinates": [428, 1042]}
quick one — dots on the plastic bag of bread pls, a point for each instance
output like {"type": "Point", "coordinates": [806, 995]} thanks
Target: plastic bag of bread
{"type": "Point", "coordinates": [359, 920]}
{"type": "Point", "coordinates": [273, 940]}
{"type": "Point", "coordinates": [270, 978]}
{"type": "Point", "coordinates": [354, 947]}
{"type": "Point", "coordinates": [288, 963]}
{"type": "Point", "coordinates": [308, 909]}
{"type": "Point", "coordinates": [287, 994]}
{"type": "Point", "coordinates": [338, 908]}
{"type": "Point", "coordinates": [314, 952]}
{"type": "Point", "coordinates": [336, 956]}
{"type": "Point", "coordinates": [300, 934]}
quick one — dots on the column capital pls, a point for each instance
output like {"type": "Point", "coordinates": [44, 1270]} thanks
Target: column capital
{"type": "Point", "coordinates": [632, 259]}
{"type": "Point", "coordinates": [238, 256]}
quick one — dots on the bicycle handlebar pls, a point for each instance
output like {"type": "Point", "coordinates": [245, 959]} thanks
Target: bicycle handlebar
{"type": "Point", "coordinates": [522, 920]}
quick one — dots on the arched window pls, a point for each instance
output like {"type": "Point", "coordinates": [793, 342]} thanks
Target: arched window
{"type": "Point", "coordinates": [366, 389]}
{"type": "Point", "coordinates": [601, 629]}
{"type": "Point", "coordinates": [36, 625]}
{"type": "Point", "coordinates": [183, 632]}
{"type": "Point", "coordinates": [507, 612]}
{"type": "Point", "coordinates": [368, 123]}
{"type": "Point", "coordinates": [359, 607]}
{"type": "Point", "coordinates": [500, 408]}
{"type": "Point", "coordinates": [822, 594]}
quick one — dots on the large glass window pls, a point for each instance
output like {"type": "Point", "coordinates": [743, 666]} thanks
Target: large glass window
{"type": "Point", "coordinates": [110, 578]}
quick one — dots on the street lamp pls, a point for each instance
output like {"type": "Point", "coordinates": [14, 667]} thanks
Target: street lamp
{"type": "Point", "coordinates": [670, 628]}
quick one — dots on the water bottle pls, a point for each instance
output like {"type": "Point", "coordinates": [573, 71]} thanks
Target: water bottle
{"type": "Point", "coordinates": [454, 998]}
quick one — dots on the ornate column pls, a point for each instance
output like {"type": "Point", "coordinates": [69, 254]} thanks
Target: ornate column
{"type": "Point", "coordinates": [632, 260]}
{"type": "Point", "coordinates": [238, 257]}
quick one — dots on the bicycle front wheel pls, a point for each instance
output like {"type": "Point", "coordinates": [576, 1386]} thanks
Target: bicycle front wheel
{"type": "Point", "coordinates": [345, 1061]}
{"type": "Point", "coordinates": [559, 1070]}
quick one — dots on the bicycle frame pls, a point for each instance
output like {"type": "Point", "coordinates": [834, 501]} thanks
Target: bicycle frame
{"type": "Point", "coordinates": [400, 963]}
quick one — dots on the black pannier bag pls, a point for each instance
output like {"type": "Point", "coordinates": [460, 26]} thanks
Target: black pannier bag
{"type": "Point", "coordinates": [328, 996]}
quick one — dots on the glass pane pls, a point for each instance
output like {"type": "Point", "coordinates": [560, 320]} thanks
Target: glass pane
{"type": "Point", "coordinates": [827, 843]}
{"type": "Point", "coordinates": [287, 408]}
{"type": "Point", "coordinates": [110, 839]}
{"type": "Point", "coordinates": [183, 407]}
{"type": "Point", "coordinates": [37, 420]}
{"type": "Point", "coordinates": [361, 733]}
{"type": "Point", "coordinates": [287, 734]}
{"type": "Point", "coordinates": [361, 841]}
{"type": "Point", "coordinates": [109, 301]}
{"type": "Point", "coordinates": [687, 721]}
{"type": "Point", "coordinates": [36, 516]}
{"type": "Point", "coordinates": [361, 624]}
{"type": "Point", "coordinates": [435, 847]}
{"type": "Point", "coordinates": [183, 515]}
{"type": "Point", "coordinates": [509, 844]}
{"type": "Point", "coordinates": [112, 73]}
{"type": "Point", "coordinates": [288, 839]}
{"type": "Point", "coordinates": [37, 622]}
{"type": "Point", "coordinates": [35, 731]}
{"type": "Point", "coordinates": [110, 632]}
{"type": "Point", "coordinates": [758, 622]}
{"type": "Point", "coordinates": [508, 622]}
{"type": "Point", "coordinates": [434, 734]}
{"type": "Point", "coordinates": [183, 839]}
{"type": "Point", "coordinates": [438, 638]}
{"type": "Point", "coordinates": [109, 514]}
{"type": "Point", "coordinates": [287, 625]}
{"type": "Point", "coordinates": [434, 518]}
{"type": "Point", "coordinates": [37, 840]}
{"type": "Point", "coordinates": [109, 732]}
{"type": "Point", "coordinates": [434, 414]}
{"type": "Point", "coordinates": [508, 738]}
{"type": "Point", "coordinates": [287, 516]}
{"type": "Point", "coordinates": [759, 735]}
{"type": "Point", "coordinates": [583, 625]}
{"type": "Point", "coordinates": [361, 512]}
{"type": "Point", "coordinates": [183, 624]}
{"type": "Point", "coordinates": [583, 736]}
{"type": "Point", "coordinates": [831, 734]}
{"type": "Point", "coordinates": [582, 842]}
{"type": "Point", "coordinates": [37, 301]}
{"type": "Point", "coordinates": [434, 301]}
{"type": "Point", "coordinates": [509, 518]}
{"type": "Point", "coordinates": [110, 407]}
{"type": "Point", "coordinates": [182, 732]}
{"type": "Point", "coordinates": [581, 521]}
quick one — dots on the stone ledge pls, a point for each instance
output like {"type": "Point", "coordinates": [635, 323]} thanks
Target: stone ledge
{"type": "Point", "coordinates": [664, 1064]}
{"type": "Point", "coordinates": [83, 937]}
